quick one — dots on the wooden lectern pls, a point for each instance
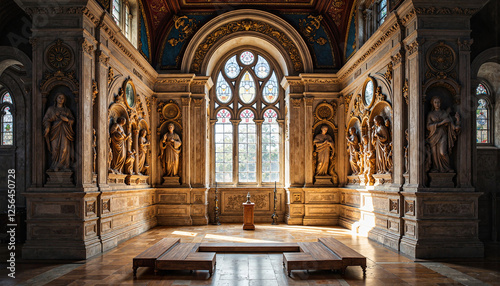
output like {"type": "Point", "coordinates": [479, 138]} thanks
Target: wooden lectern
{"type": "Point", "coordinates": [248, 208]}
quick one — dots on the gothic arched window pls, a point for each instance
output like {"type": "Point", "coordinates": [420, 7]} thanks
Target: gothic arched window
{"type": "Point", "coordinates": [7, 120]}
{"type": "Point", "coordinates": [248, 146]}
{"type": "Point", "coordinates": [483, 122]}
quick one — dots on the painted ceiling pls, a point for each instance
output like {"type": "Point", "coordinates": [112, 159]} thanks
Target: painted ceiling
{"type": "Point", "coordinates": [166, 41]}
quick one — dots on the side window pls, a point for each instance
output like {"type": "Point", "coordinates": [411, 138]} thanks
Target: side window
{"type": "Point", "coordinates": [7, 120]}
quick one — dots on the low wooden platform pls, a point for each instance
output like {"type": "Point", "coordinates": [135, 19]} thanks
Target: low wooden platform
{"type": "Point", "coordinates": [325, 254]}
{"type": "Point", "coordinates": [249, 247]}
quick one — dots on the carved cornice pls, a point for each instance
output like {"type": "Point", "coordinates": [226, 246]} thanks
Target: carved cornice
{"type": "Point", "coordinates": [409, 16]}
{"type": "Point", "coordinates": [394, 28]}
{"type": "Point", "coordinates": [319, 81]}
{"type": "Point", "coordinates": [55, 9]}
{"type": "Point", "coordinates": [175, 81]}
{"type": "Point", "coordinates": [246, 25]}
{"type": "Point", "coordinates": [445, 11]}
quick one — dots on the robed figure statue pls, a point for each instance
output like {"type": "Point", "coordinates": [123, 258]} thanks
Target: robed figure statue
{"type": "Point", "coordinates": [353, 148]}
{"type": "Point", "coordinates": [170, 149]}
{"type": "Point", "coordinates": [381, 137]}
{"type": "Point", "coordinates": [118, 145]}
{"type": "Point", "coordinates": [143, 150]}
{"type": "Point", "coordinates": [443, 132]}
{"type": "Point", "coordinates": [325, 150]}
{"type": "Point", "coordinates": [59, 134]}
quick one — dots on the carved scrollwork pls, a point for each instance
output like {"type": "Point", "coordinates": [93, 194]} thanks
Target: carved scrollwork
{"type": "Point", "coordinates": [441, 58]}
{"type": "Point", "coordinates": [309, 27]}
{"type": "Point", "coordinates": [388, 73]}
{"type": "Point", "coordinates": [406, 92]}
{"type": "Point", "coordinates": [51, 79]}
{"type": "Point", "coordinates": [186, 28]}
{"type": "Point", "coordinates": [95, 91]}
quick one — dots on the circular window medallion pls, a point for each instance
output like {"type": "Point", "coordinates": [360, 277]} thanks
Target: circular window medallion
{"type": "Point", "coordinates": [324, 111]}
{"type": "Point", "coordinates": [129, 93]}
{"type": "Point", "coordinates": [59, 56]}
{"type": "Point", "coordinates": [171, 111]}
{"type": "Point", "coordinates": [368, 92]}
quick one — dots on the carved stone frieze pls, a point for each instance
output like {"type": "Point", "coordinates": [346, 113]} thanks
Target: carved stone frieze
{"type": "Point", "coordinates": [394, 206]}
{"type": "Point", "coordinates": [433, 10]}
{"type": "Point", "coordinates": [247, 25]}
{"type": "Point", "coordinates": [410, 207]}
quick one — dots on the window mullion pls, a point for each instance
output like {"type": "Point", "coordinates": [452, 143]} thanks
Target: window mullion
{"type": "Point", "coordinates": [235, 123]}
{"type": "Point", "coordinates": [258, 169]}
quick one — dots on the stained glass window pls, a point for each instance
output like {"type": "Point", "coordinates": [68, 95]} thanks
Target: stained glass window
{"type": "Point", "coordinates": [223, 90]}
{"type": "Point", "coordinates": [7, 127]}
{"type": "Point", "coordinates": [223, 147]}
{"type": "Point", "coordinates": [481, 89]}
{"type": "Point", "coordinates": [381, 12]}
{"type": "Point", "coordinates": [270, 147]}
{"type": "Point", "coordinates": [127, 20]}
{"type": "Point", "coordinates": [7, 98]}
{"type": "Point", "coordinates": [262, 68]}
{"type": "Point", "coordinates": [270, 91]}
{"type": "Point", "coordinates": [247, 147]}
{"type": "Point", "coordinates": [482, 133]}
{"type": "Point", "coordinates": [232, 68]}
{"type": "Point", "coordinates": [247, 58]}
{"type": "Point", "coordinates": [115, 11]}
{"type": "Point", "coordinates": [247, 88]}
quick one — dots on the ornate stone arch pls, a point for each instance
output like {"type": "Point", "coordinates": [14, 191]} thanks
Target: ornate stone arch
{"type": "Point", "coordinates": [242, 27]}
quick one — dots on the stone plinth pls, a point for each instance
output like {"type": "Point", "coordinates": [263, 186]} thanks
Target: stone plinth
{"type": "Point", "coordinates": [248, 210]}
{"type": "Point", "coordinates": [323, 181]}
{"type": "Point", "coordinates": [381, 179]}
{"type": "Point", "coordinates": [59, 179]}
{"type": "Point", "coordinates": [136, 180]}
{"type": "Point", "coordinates": [442, 180]}
{"type": "Point", "coordinates": [116, 178]}
{"type": "Point", "coordinates": [353, 180]}
{"type": "Point", "coordinates": [171, 181]}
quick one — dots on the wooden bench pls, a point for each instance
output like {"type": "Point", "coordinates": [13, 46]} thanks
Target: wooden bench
{"type": "Point", "coordinates": [149, 256]}
{"type": "Point", "coordinates": [313, 256]}
{"type": "Point", "coordinates": [250, 247]}
{"type": "Point", "coordinates": [349, 256]}
{"type": "Point", "coordinates": [185, 256]}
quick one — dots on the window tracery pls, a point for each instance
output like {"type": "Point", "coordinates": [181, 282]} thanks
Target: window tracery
{"type": "Point", "coordinates": [7, 120]}
{"type": "Point", "coordinates": [483, 121]}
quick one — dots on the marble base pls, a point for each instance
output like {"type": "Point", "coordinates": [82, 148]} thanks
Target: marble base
{"type": "Point", "coordinates": [381, 179]}
{"type": "Point", "coordinates": [353, 180]}
{"type": "Point", "coordinates": [116, 178]}
{"type": "Point", "coordinates": [442, 180]}
{"type": "Point", "coordinates": [136, 180]}
{"type": "Point", "coordinates": [59, 179]}
{"type": "Point", "coordinates": [323, 181]}
{"type": "Point", "coordinates": [407, 178]}
{"type": "Point", "coordinates": [171, 181]}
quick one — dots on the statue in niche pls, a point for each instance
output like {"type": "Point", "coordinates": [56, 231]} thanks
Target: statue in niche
{"type": "Point", "coordinates": [170, 149]}
{"type": "Point", "coordinates": [94, 150]}
{"type": "Point", "coordinates": [143, 150]}
{"type": "Point", "coordinates": [129, 163]}
{"type": "Point", "coordinates": [443, 131]}
{"type": "Point", "coordinates": [381, 139]}
{"type": "Point", "coordinates": [369, 161]}
{"type": "Point", "coordinates": [325, 150]}
{"type": "Point", "coordinates": [118, 145]}
{"type": "Point", "coordinates": [59, 134]}
{"type": "Point", "coordinates": [353, 147]}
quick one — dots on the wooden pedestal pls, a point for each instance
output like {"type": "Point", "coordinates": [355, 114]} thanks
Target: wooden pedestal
{"type": "Point", "coordinates": [248, 209]}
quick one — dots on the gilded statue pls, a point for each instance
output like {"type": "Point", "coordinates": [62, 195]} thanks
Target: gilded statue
{"type": "Point", "coordinates": [325, 151]}
{"type": "Point", "coordinates": [59, 134]}
{"type": "Point", "coordinates": [381, 138]}
{"type": "Point", "coordinates": [443, 131]}
{"type": "Point", "coordinates": [369, 161]}
{"type": "Point", "coordinates": [118, 145]}
{"type": "Point", "coordinates": [353, 148]}
{"type": "Point", "coordinates": [143, 150]}
{"type": "Point", "coordinates": [129, 163]}
{"type": "Point", "coordinates": [170, 149]}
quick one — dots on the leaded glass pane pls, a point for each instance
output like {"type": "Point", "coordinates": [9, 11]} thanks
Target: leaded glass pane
{"type": "Point", "coordinates": [232, 68]}
{"type": "Point", "coordinates": [382, 12]}
{"type": "Point", "coordinates": [270, 91]}
{"type": "Point", "coordinates": [482, 121]}
{"type": "Point", "coordinates": [247, 88]}
{"type": "Point", "coordinates": [116, 11]}
{"type": "Point", "coordinates": [223, 147]}
{"type": "Point", "coordinates": [223, 91]}
{"type": "Point", "coordinates": [247, 147]}
{"type": "Point", "coordinates": [262, 68]}
{"type": "Point", "coordinates": [270, 147]}
{"type": "Point", "coordinates": [7, 98]}
{"type": "Point", "coordinates": [7, 127]}
{"type": "Point", "coordinates": [481, 89]}
{"type": "Point", "coordinates": [247, 58]}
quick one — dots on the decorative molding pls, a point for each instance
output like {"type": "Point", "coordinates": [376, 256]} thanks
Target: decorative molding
{"type": "Point", "coordinates": [445, 11]}
{"type": "Point", "coordinates": [86, 46]}
{"type": "Point", "coordinates": [413, 47]}
{"type": "Point", "coordinates": [175, 81]}
{"type": "Point", "coordinates": [51, 79]}
{"type": "Point", "coordinates": [95, 91]}
{"type": "Point", "coordinates": [336, 10]}
{"type": "Point", "coordinates": [185, 101]}
{"type": "Point", "coordinates": [325, 111]}
{"type": "Point", "coordinates": [296, 102]}
{"type": "Point", "coordinates": [309, 28]}
{"type": "Point", "coordinates": [309, 101]}
{"type": "Point", "coordinates": [465, 44]}
{"type": "Point", "coordinates": [246, 25]}
{"type": "Point", "coordinates": [409, 16]}
{"type": "Point", "coordinates": [103, 58]}
{"type": "Point", "coordinates": [394, 28]}
{"type": "Point", "coordinates": [379, 96]}
{"type": "Point", "coordinates": [168, 111]}
{"type": "Point", "coordinates": [347, 101]}
{"type": "Point", "coordinates": [33, 42]}
{"type": "Point", "coordinates": [59, 56]}
{"type": "Point", "coordinates": [397, 58]}
{"type": "Point", "coordinates": [441, 58]}
{"type": "Point", "coordinates": [111, 75]}
{"type": "Point", "coordinates": [388, 73]}
{"type": "Point", "coordinates": [406, 94]}
{"type": "Point", "coordinates": [185, 26]}
{"type": "Point", "coordinates": [409, 207]}
{"type": "Point", "coordinates": [320, 80]}
{"type": "Point", "coordinates": [198, 102]}
{"type": "Point", "coordinates": [394, 206]}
